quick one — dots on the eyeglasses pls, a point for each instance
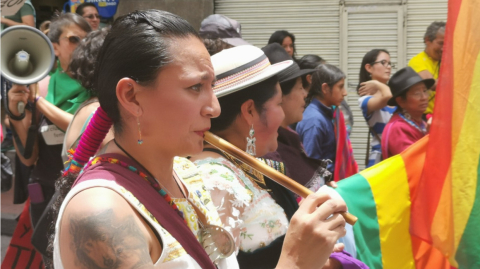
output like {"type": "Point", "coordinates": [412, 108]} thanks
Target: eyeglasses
{"type": "Point", "coordinates": [385, 63]}
{"type": "Point", "coordinates": [420, 94]}
{"type": "Point", "coordinates": [73, 39]}
{"type": "Point", "coordinates": [92, 16]}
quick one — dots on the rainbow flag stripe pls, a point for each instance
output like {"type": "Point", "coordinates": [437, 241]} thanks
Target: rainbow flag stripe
{"type": "Point", "coordinates": [421, 208]}
{"type": "Point", "coordinates": [446, 211]}
{"type": "Point", "coordinates": [381, 199]}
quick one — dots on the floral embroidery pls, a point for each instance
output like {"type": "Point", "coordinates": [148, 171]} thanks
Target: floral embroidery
{"type": "Point", "coordinates": [248, 212]}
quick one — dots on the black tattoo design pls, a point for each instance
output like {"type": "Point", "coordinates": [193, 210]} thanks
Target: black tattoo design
{"type": "Point", "coordinates": [102, 242]}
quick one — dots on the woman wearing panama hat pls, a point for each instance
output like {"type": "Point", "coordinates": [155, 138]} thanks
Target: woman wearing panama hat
{"type": "Point", "coordinates": [410, 95]}
{"type": "Point", "coordinates": [251, 102]}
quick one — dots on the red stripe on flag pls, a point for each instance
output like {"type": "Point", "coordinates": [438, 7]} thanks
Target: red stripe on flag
{"type": "Point", "coordinates": [438, 158]}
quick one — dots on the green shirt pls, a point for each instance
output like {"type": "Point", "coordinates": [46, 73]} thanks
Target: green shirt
{"type": "Point", "coordinates": [25, 10]}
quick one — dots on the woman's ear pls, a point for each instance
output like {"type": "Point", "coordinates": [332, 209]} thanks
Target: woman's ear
{"type": "Point", "coordinates": [325, 89]}
{"type": "Point", "coordinates": [127, 90]}
{"type": "Point", "coordinates": [309, 78]}
{"type": "Point", "coordinates": [248, 111]}
{"type": "Point", "coordinates": [369, 68]}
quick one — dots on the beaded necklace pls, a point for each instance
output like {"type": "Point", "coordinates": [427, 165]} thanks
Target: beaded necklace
{"type": "Point", "coordinates": [150, 179]}
{"type": "Point", "coordinates": [421, 128]}
{"type": "Point", "coordinates": [208, 235]}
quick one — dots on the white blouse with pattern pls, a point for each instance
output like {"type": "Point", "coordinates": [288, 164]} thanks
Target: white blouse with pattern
{"type": "Point", "coordinates": [246, 210]}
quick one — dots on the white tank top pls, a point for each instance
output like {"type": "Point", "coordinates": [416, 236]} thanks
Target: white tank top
{"type": "Point", "coordinates": [173, 254]}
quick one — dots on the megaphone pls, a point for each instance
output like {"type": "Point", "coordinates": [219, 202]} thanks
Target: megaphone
{"type": "Point", "coordinates": [27, 57]}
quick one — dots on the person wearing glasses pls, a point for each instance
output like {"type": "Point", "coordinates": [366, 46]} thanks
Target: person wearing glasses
{"type": "Point", "coordinates": [410, 95]}
{"type": "Point", "coordinates": [374, 94]}
{"type": "Point", "coordinates": [51, 114]}
{"type": "Point", "coordinates": [89, 12]}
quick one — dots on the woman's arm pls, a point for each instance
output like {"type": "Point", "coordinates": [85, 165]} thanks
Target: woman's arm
{"type": "Point", "coordinates": [26, 13]}
{"type": "Point", "coordinates": [26, 20]}
{"type": "Point", "coordinates": [57, 116]}
{"type": "Point", "coordinates": [20, 93]}
{"type": "Point", "coordinates": [99, 229]}
{"type": "Point", "coordinates": [311, 140]}
{"type": "Point", "coordinates": [379, 99]}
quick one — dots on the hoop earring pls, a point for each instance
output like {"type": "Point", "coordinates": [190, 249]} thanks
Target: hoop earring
{"type": "Point", "coordinates": [251, 148]}
{"type": "Point", "coordinates": [140, 140]}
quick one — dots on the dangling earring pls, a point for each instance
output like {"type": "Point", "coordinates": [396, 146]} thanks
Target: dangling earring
{"type": "Point", "coordinates": [406, 114]}
{"type": "Point", "coordinates": [251, 148]}
{"type": "Point", "coordinates": [140, 140]}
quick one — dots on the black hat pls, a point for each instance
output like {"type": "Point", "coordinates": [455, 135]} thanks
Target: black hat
{"type": "Point", "coordinates": [276, 53]}
{"type": "Point", "coordinates": [403, 80]}
{"type": "Point", "coordinates": [220, 26]}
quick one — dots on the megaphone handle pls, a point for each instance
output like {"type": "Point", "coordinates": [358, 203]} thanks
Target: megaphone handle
{"type": "Point", "coordinates": [21, 107]}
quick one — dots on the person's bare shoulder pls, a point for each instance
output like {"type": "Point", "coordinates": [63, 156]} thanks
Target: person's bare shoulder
{"type": "Point", "coordinates": [99, 229]}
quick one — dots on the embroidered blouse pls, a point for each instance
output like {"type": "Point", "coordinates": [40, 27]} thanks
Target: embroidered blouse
{"type": "Point", "coordinates": [247, 211]}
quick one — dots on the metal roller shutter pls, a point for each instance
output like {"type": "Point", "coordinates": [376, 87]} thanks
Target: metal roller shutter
{"type": "Point", "coordinates": [315, 24]}
{"type": "Point", "coordinates": [420, 14]}
{"type": "Point", "coordinates": [365, 28]}
{"type": "Point", "coordinates": [369, 2]}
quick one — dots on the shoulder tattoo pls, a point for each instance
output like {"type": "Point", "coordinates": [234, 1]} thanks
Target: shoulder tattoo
{"type": "Point", "coordinates": [101, 240]}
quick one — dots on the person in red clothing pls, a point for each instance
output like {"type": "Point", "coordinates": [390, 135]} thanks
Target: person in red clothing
{"type": "Point", "coordinates": [410, 95]}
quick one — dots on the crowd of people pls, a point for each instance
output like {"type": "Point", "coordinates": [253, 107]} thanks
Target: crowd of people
{"type": "Point", "coordinates": [127, 180]}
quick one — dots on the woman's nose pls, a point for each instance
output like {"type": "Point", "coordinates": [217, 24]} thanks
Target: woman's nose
{"type": "Point", "coordinates": [212, 110]}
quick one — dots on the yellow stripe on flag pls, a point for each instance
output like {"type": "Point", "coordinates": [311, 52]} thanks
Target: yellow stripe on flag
{"type": "Point", "coordinates": [393, 211]}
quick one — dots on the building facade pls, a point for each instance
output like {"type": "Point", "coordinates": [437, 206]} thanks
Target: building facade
{"type": "Point", "coordinates": [341, 32]}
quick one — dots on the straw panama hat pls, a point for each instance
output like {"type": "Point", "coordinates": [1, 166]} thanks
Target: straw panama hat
{"type": "Point", "coordinates": [243, 66]}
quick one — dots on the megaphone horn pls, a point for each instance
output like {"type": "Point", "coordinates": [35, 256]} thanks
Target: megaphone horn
{"type": "Point", "coordinates": [27, 56]}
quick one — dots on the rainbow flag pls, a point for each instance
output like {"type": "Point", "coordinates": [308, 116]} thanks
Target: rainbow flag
{"type": "Point", "coordinates": [421, 208]}
{"type": "Point", "coordinates": [446, 211]}
{"type": "Point", "coordinates": [380, 197]}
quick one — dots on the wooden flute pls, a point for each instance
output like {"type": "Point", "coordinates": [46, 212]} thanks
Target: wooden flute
{"type": "Point", "coordinates": [266, 170]}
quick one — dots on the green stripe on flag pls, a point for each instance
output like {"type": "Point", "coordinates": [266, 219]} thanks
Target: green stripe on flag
{"type": "Point", "coordinates": [359, 198]}
{"type": "Point", "coordinates": [469, 247]}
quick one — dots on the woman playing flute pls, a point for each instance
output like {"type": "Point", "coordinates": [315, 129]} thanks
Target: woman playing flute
{"type": "Point", "coordinates": [251, 102]}
{"type": "Point", "coordinates": [130, 206]}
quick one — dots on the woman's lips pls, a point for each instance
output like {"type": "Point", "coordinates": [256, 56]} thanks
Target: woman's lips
{"type": "Point", "coordinates": [202, 132]}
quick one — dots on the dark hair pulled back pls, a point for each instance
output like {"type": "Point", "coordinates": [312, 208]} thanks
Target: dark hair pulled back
{"type": "Point", "coordinates": [369, 58]}
{"type": "Point", "coordinates": [309, 61]}
{"type": "Point", "coordinates": [231, 104]}
{"type": "Point", "coordinates": [325, 73]}
{"type": "Point", "coordinates": [136, 47]}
